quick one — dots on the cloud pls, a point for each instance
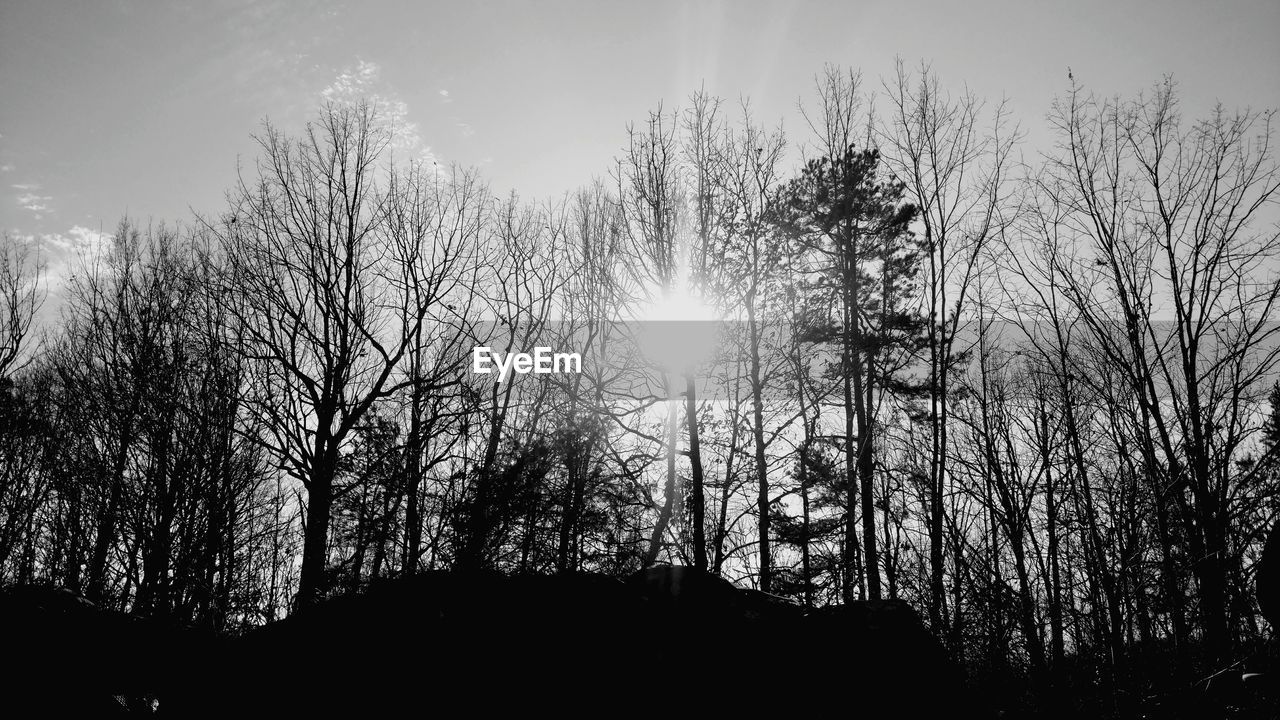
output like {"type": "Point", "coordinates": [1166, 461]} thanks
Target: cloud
{"type": "Point", "coordinates": [444, 96]}
{"type": "Point", "coordinates": [7, 167]}
{"type": "Point", "coordinates": [91, 241]}
{"type": "Point", "coordinates": [66, 253]}
{"type": "Point", "coordinates": [79, 241]}
{"type": "Point", "coordinates": [364, 81]}
{"type": "Point", "coordinates": [30, 200]}
{"type": "Point", "coordinates": [351, 84]}
{"type": "Point", "coordinates": [33, 202]}
{"type": "Point", "coordinates": [467, 130]}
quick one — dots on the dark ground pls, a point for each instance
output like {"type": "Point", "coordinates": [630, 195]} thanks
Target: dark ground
{"type": "Point", "coordinates": [666, 641]}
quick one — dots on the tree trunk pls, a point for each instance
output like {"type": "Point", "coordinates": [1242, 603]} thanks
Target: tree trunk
{"type": "Point", "coordinates": [413, 468]}
{"type": "Point", "coordinates": [664, 514]}
{"type": "Point", "coordinates": [695, 462]}
{"type": "Point", "coordinates": [762, 468]}
{"type": "Point", "coordinates": [1055, 585]}
{"type": "Point", "coordinates": [97, 583]}
{"type": "Point", "coordinates": [866, 478]}
{"type": "Point", "coordinates": [312, 583]}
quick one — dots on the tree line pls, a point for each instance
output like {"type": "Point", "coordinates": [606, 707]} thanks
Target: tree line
{"type": "Point", "coordinates": [1032, 397]}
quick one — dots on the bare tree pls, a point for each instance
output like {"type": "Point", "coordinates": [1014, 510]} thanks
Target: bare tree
{"type": "Point", "coordinates": [957, 172]}
{"type": "Point", "coordinates": [748, 264]}
{"type": "Point", "coordinates": [435, 224]}
{"type": "Point", "coordinates": [21, 295]}
{"type": "Point", "coordinates": [22, 484]}
{"type": "Point", "coordinates": [650, 202]}
{"type": "Point", "coordinates": [1170, 269]}
{"type": "Point", "coordinates": [327, 313]}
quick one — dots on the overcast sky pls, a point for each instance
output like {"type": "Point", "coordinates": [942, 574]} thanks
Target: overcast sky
{"type": "Point", "coordinates": [145, 108]}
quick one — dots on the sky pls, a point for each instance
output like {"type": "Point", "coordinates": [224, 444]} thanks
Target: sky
{"type": "Point", "coordinates": [147, 109]}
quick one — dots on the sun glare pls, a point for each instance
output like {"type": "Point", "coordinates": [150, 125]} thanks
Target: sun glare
{"type": "Point", "coordinates": [678, 331]}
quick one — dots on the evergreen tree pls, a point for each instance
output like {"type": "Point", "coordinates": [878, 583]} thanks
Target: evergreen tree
{"type": "Point", "coordinates": [850, 230]}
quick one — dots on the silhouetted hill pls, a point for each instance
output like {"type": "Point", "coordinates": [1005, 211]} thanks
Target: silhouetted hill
{"type": "Point", "coordinates": [580, 645]}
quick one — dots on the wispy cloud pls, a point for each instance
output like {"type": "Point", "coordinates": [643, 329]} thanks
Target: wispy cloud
{"type": "Point", "coordinates": [62, 257]}
{"type": "Point", "coordinates": [66, 254]}
{"type": "Point", "coordinates": [30, 200]}
{"type": "Point", "coordinates": [33, 202]}
{"type": "Point", "coordinates": [7, 167]}
{"type": "Point", "coordinates": [444, 97]}
{"type": "Point", "coordinates": [85, 240]}
{"type": "Point", "coordinates": [352, 83]}
{"type": "Point", "coordinates": [467, 130]}
{"type": "Point", "coordinates": [364, 81]}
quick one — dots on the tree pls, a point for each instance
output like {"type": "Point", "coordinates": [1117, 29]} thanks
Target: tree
{"type": "Point", "coordinates": [325, 301]}
{"type": "Point", "coordinates": [21, 295]}
{"type": "Point", "coordinates": [745, 276]}
{"type": "Point", "coordinates": [519, 295]}
{"type": "Point", "coordinates": [1168, 265]}
{"type": "Point", "coordinates": [435, 222]}
{"type": "Point", "coordinates": [22, 484]}
{"type": "Point", "coordinates": [958, 175]}
{"type": "Point", "coordinates": [650, 201]}
{"type": "Point", "coordinates": [591, 302]}
{"type": "Point", "coordinates": [843, 217]}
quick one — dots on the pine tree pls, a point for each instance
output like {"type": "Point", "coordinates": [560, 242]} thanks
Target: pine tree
{"type": "Point", "coordinates": [851, 231]}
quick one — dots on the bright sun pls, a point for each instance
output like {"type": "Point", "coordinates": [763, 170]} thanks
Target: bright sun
{"type": "Point", "coordinates": [678, 331]}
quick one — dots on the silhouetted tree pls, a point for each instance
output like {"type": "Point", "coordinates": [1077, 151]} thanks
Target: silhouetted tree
{"type": "Point", "coordinates": [843, 218]}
